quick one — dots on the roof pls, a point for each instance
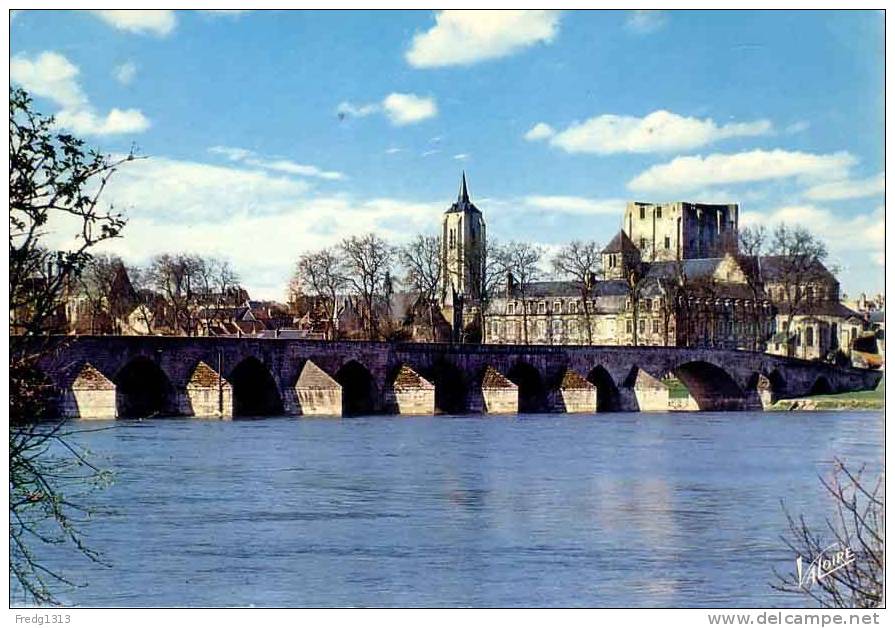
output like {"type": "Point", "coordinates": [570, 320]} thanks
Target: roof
{"type": "Point", "coordinates": [612, 287]}
{"type": "Point", "coordinates": [692, 268]}
{"type": "Point", "coordinates": [463, 203]}
{"type": "Point", "coordinates": [773, 268]}
{"type": "Point", "coordinates": [620, 244]}
{"type": "Point", "coordinates": [822, 308]}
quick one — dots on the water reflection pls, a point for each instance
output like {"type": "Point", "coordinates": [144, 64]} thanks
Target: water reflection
{"type": "Point", "coordinates": [608, 510]}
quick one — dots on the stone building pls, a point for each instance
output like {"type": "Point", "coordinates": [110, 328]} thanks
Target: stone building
{"type": "Point", "coordinates": [463, 243]}
{"type": "Point", "coordinates": [679, 230]}
{"type": "Point", "coordinates": [811, 320]}
{"type": "Point", "coordinates": [671, 277]}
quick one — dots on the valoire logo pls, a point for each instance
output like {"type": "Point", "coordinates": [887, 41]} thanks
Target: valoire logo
{"type": "Point", "coordinates": [829, 561]}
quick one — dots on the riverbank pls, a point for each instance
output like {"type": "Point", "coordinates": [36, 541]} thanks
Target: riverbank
{"type": "Point", "coordinates": [861, 400]}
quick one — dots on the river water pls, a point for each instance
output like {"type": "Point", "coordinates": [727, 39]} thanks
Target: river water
{"type": "Point", "coordinates": [551, 510]}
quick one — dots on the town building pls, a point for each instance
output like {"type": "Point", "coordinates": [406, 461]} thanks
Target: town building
{"type": "Point", "coordinates": [672, 276]}
{"type": "Point", "coordinates": [672, 231]}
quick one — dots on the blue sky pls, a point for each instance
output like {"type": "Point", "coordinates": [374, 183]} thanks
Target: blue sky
{"type": "Point", "coordinates": [269, 133]}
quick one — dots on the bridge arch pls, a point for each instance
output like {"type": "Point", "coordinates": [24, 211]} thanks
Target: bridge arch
{"type": "Point", "coordinates": [821, 386]}
{"type": "Point", "coordinates": [711, 386]}
{"type": "Point", "coordinates": [778, 383]}
{"type": "Point", "coordinates": [607, 391]}
{"type": "Point", "coordinates": [532, 391]}
{"type": "Point", "coordinates": [359, 391]}
{"type": "Point", "coordinates": [450, 388]}
{"type": "Point", "coordinates": [255, 393]}
{"type": "Point", "coordinates": [143, 389]}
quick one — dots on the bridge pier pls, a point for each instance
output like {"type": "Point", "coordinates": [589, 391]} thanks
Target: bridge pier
{"type": "Point", "coordinates": [494, 394]}
{"type": "Point", "coordinates": [91, 395]}
{"type": "Point", "coordinates": [316, 393]}
{"type": "Point", "coordinates": [574, 394]}
{"type": "Point", "coordinates": [410, 393]}
{"type": "Point", "coordinates": [650, 394]}
{"type": "Point", "coordinates": [208, 394]}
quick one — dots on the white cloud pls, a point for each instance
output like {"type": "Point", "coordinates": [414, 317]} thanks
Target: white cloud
{"type": "Point", "coordinates": [660, 131]}
{"type": "Point", "coordinates": [260, 220]}
{"type": "Point", "coordinates": [466, 37]}
{"type": "Point", "coordinates": [577, 205]}
{"type": "Point", "coordinates": [52, 76]}
{"type": "Point", "coordinates": [117, 121]}
{"type": "Point", "coordinates": [393, 150]}
{"type": "Point", "coordinates": [461, 157]}
{"type": "Point", "coordinates": [865, 232]}
{"type": "Point", "coordinates": [688, 173]}
{"type": "Point", "coordinates": [250, 158]}
{"type": "Point", "coordinates": [644, 22]}
{"type": "Point", "coordinates": [159, 23]}
{"type": "Point", "coordinates": [540, 131]}
{"type": "Point", "coordinates": [797, 127]}
{"type": "Point", "coordinates": [125, 72]}
{"type": "Point", "coordinates": [847, 188]}
{"type": "Point", "coordinates": [346, 109]}
{"type": "Point", "coordinates": [400, 109]}
{"type": "Point", "coordinates": [403, 109]}
{"type": "Point", "coordinates": [49, 75]}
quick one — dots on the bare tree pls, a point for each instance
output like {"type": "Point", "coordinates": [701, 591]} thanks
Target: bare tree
{"type": "Point", "coordinates": [753, 241]}
{"type": "Point", "coordinates": [367, 261]}
{"type": "Point", "coordinates": [97, 286]}
{"type": "Point", "coordinates": [521, 260]}
{"type": "Point", "coordinates": [218, 289]}
{"type": "Point", "coordinates": [580, 262]}
{"type": "Point", "coordinates": [852, 540]}
{"type": "Point", "coordinates": [53, 181]}
{"type": "Point", "coordinates": [798, 258]}
{"type": "Point", "coordinates": [320, 274]}
{"type": "Point", "coordinates": [179, 279]}
{"type": "Point", "coordinates": [422, 263]}
{"type": "Point", "coordinates": [635, 274]}
{"type": "Point", "coordinates": [147, 299]}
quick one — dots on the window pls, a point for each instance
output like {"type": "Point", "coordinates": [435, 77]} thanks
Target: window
{"type": "Point", "coordinates": [629, 326]}
{"type": "Point", "coordinates": [542, 307]}
{"type": "Point", "coordinates": [667, 243]}
{"type": "Point", "coordinates": [573, 307]}
{"type": "Point", "coordinates": [642, 243]}
{"type": "Point", "coordinates": [511, 308]}
{"type": "Point", "coordinates": [809, 293]}
{"type": "Point", "coordinates": [641, 326]}
{"type": "Point", "coordinates": [658, 212]}
{"type": "Point", "coordinates": [557, 307]}
{"type": "Point", "coordinates": [655, 325]}
{"type": "Point", "coordinates": [452, 238]}
{"type": "Point", "coordinates": [642, 212]}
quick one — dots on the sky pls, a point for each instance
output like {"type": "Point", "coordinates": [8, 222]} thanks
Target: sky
{"type": "Point", "coordinates": [267, 134]}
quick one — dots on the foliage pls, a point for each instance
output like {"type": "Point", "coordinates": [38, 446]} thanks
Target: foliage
{"type": "Point", "coordinates": [857, 524]}
{"type": "Point", "coordinates": [54, 183]}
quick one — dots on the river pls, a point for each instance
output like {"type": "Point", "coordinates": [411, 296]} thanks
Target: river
{"type": "Point", "coordinates": [612, 510]}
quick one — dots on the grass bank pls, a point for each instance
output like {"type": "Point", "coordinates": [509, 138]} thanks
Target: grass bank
{"type": "Point", "coordinates": [861, 400]}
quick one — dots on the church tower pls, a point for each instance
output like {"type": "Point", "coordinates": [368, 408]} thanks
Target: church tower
{"type": "Point", "coordinates": [462, 249]}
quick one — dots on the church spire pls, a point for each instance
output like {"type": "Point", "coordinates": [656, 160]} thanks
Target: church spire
{"type": "Point", "coordinates": [463, 197]}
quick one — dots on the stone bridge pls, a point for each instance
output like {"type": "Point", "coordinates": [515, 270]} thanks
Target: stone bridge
{"type": "Point", "coordinates": [137, 376]}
